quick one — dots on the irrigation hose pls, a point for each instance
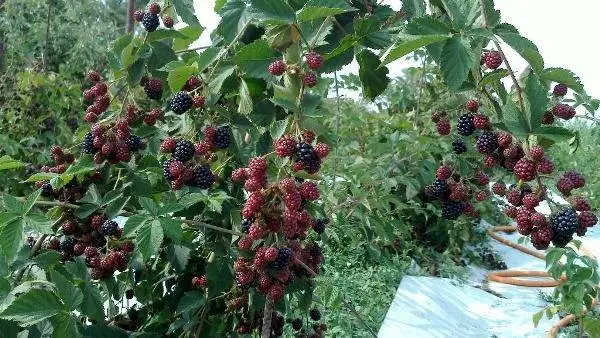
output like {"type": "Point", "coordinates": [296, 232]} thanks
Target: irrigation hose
{"type": "Point", "coordinates": [511, 276]}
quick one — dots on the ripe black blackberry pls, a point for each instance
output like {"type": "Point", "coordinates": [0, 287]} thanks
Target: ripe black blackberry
{"type": "Point", "coordinates": [283, 258]}
{"type": "Point", "coordinates": [246, 223]}
{"type": "Point", "coordinates": [67, 244]}
{"type": "Point", "coordinates": [459, 146]}
{"type": "Point", "coordinates": [487, 143]}
{"type": "Point", "coordinates": [87, 145]}
{"type": "Point", "coordinates": [223, 137]}
{"type": "Point", "coordinates": [304, 151]}
{"type": "Point", "coordinates": [314, 314]}
{"type": "Point", "coordinates": [564, 224]}
{"type": "Point", "coordinates": [465, 125]}
{"type": "Point", "coordinates": [154, 88]}
{"type": "Point", "coordinates": [451, 210]}
{"type": "Point", "coordinates": [181, 102]}
{"type": "Point", "coordinates": [166, 169]}
{"type": "Point", "coordinates": [297, 324]}
{"type": "Point", "coordinates": [150, 21]}
{"type": "Point", "coordinates": [109, 228]}
{"type": "Point", "coordinates": [319, 225]}
{"type": "Point", "coordinates": [203, 177]}
{"type": "Point", "coordinates": [135, 143]}
{"type": "Point", "coordinates": [47, 190]}
{"type": "Point", "coordinates": [184, 150]}
{"type": "Point", "coordinates": [440, 188]}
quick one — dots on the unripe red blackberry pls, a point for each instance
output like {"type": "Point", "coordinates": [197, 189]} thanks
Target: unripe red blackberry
{"type": "Point", "coordinates": [68, 227]}
{"type": "Point", "coordinates": [525, 170]}
{"type": "Point", "coordinates": [481, 177]}
{"type": "Point", "coordinates": [579, 203]}
{"type": "Point", "coordinates": [203, 148]}
{"type": "Point", "coordinates": [93, 76]}
{"type": "Point", "coordinates": [277, 67]}
{"type": "Point", "coordinates": [257, 166]}
{"type": "Point", "coordinates": [199, 101]}
{"type": "Point", "coordinates": [499, 188]}
{"type": "Point", "coordinates": [321, 150]}
{"type": "Point", "coordinates": [444, 172]}
{"type": "Point", "coordinates": [504, 139]}
{"type": "Point", "coordinates": [492, 59]}
{"type": "Point", "coordinates": [154, 8]}
{"type": "Point", "coordinates": [128, 246]}
{"type": "Point", "coordinates": [308, 136]}
{"type": "Point", "coordinates": [443, 127]}
{"type": "Point", "coordinates": [168, 21]}
{"type": "Point", "coordinates": [481, 121]}
{"type": "Point", "coordinates": [138, 15]}
{"type": "Point", "coordinates": [271, 254]}
{"type": "Point", "coordinates": [436, 116]}
{"type": "Point", "coordinates": [288, 184]}
{"type": "Point", "coordinates": [560, 90]}
{"type": "Point", "coordinates": [90, 117]}
{"type": "Point", "coordinates": [310, 79]}
{"type": "Point", "coordinates": [89, 95]}
{"type": "Point", "coordinates": [254, 184]}
{"type": "Point", "coordinates": [563, 111]}
{"type": "Point", "coordinates": [97, 221]}
{"type": "Point", "coordinates": [176, 169]}
{"type": "Point", "coordinates": [200, 282]}
{"type": "Point", "coordinates": [100, 88]}
{"type": "Point", "coordinates": [545, 166]}
{"type": "Point", "coordinates": [481, 195]}
{"type": "Point", "coordinates": [538, 220]}
{"type": "Point", "coordinates": [168, 145]}
{"type": "Point", "coordinates": [314, 60]}
{"type": "Point", "coordinates": [239, 175]}
{"type": "Point", "coordinates": [285, 146]}
{"type": "Point", "coordinates": [514, 197]}
{"type": "Point", "coordinates": [276, 291]}
{"type": "Point", "coordinates": [587, 219]}
{"type": "Point", "coordinates": [530, 201]}
{"type": "Point", "coordinates": [547, 118]}
{"type": "Point", "coordinates": [309, 191]}
{"type": "Point", "coordinates": [490, 161]}
{"type": "Point", "coordinates": [472, 105]}
{"type": "Point", "coordinates": [541, 237]}
{"type": "Point", "coordinates": [78, 249]}
{"type": "Point", "coordinates": [576, 178]}
{"type": "Point", "coordinates": [154, 88]}
{"type": "Point", "coordinates": [537, 153]}
{"type": "Point", "coordinates": [511, 211]}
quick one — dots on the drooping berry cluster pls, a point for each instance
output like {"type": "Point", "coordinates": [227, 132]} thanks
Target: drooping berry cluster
{"type": "Point", "coordinates": [96, 97]}
{"type": "Point", "coordinates": [305, 156]}
{"type": "Point", "coordinates": [150, 19]}
{"type": "Point", "coordinates": [313, 62]}
{"type": "Point", "coordinates": [112, 142]}
{"type": "Point", "coordinates": [180, 170]}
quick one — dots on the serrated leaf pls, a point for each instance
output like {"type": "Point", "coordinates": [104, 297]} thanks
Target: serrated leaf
{"type": "Point", "coordinates": [188, 34]}
{"type": "Point", "coordinates": [556, 134]}
{"type": "Point", "coordinates": [85, 210]}
{"type": "Point", "coordinates": [427, 25]}
{"type": "Point", "coordinates": [207, 57]}
{"type": "Point", "coordinates": [33, 306]}
{"type": "Point", "coordinates": [234, 16]}
{"type": "Point", "coordinates": [462, 12]}
{"type": "Point", "coordinates": [70, 295]}
{"type": "Point", "coordinates": [114, 208]}
{"type": "Point", "coordinates": [41, 177]}
{"type": "Point", "coordinates": [413, 8]}
{"type": "Point", "coordinates": [149, 205]}
{"type": "Point", "coordinates": [456, 61]}
{"type": "Point", "coordinates": [278, 128]}
{"type": "Point", "coordinates": [149, 238]}
{"type": "Point", "coordinates": [537, 317]}
{"type": "Point", "coordinates": [564, 76]}
{"type": "Point", "coordinates": [135, 72]}
{"type": "Point", "coordinates": [11, 204]}
{"type": "Point", "coordinates": [538, 100]}
{"type": "Point", "coordinates": [245, 106]}
{"type": "Point", "coordinates": [92, 302]}
{"type": "Point", "coordinates": [492, 77]}
{"type": "Point", "coordinates": [185, 10]}
{"type": "Point", "coordinates": [263, 145]}
{"type": "Point", "coordinates": [172, 229]}
{"type": "Point", "coordinates": [191, 301]}
{"type": "Point", "coordinates": [170, 208]}
{"type": "Point", "coordinates": [46, 259]}
{"type": "Point", "coordinates": [315, 9]}
{"type": "Point", "coordinates": [373, 76]}
{"type": "Point", "coordinates": [527, 49]}
{"type": "Point", "coordinates": [66, 326]}
{"type": "Point", "coordinates": [178, 256]}
{"type": "Point", "coordinates": [492, 15]}
{"type": "Point", "coordinates": [278, 11]}
{"type": "Point", "coordinates": [11, 238]}
{"type": "Point", "coordinates": [282, 36]}
{"type": "Point", "coordinates": [514, 121]}
{"type": "Point", "coordinates": [161, 34]}
{"type": "Point", "coordinates": [255, 58]}
{"type": "Point", "coordinates": [408, 44]}
{"type": "Point", "coordinates": [7, 162]}
{"type": "Point", "coordinates": [91, 195]}
{"type": "Point", "coordinates": [178, 77]}
{"type": "Point", "coordinates": [221, 75]}
{"type": "Point", "coordinates": [133, 223]}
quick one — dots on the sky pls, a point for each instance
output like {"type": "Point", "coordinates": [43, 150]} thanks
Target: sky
{"type": "Point", "coordinates": [565, 34]}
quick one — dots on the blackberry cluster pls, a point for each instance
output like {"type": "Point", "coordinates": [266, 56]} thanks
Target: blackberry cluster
{"type": "Point", "coordinates": [150, 21]}
{"type": "Point", "coordinates": [459, 146]}
{"type": "Point", "coordinates": [223, 137]}
{"type": "Point", "coordinates": [564, 224]}
{"type": "Point", "coordinates": [486, 143]}
{"type": "Point", "coordinates": [184, 150]}
{"type": "Point", "coordinates": [465, 125]}
{"type": "Point", "coordinates": [451, 210]}
{"type": "Point", "coordinates": [203, 177]}
{"type": "Point", "coordinates": [181, 102]}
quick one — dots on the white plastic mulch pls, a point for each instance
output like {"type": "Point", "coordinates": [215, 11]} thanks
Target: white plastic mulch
{"type": "Point", "coordinates": [436, 307]}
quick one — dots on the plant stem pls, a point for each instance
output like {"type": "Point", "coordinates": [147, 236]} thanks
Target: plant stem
{"type": "Point", "coordinates": [225, 51]}
{"type": "Point", "coordinates": [191, 49]}
{"type": "Point", "coordinates": [267, 316]}
{"type": "Point", "coordinates": [130, 10]}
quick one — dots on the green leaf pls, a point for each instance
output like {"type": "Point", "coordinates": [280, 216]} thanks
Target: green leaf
{"type": "Point", "coordinates": [514, 121]}
{"type": "Point", "coordinates": [178, 256]}
{"type": "Point", "coordinates": [245, 106]}
{"type": "Point", "coordinates": [46, 259]}
{"type": "Point", "coordinates": [372, 74]}
{"type": "Point", "coordinates": [492, 15]}
{"type": "Point", "coordinates": [221, 75]}
{"type": "Point", "coordinates": [263, 145]}
{"type": "Point", "coordinates": [270, 10]}
{"type": "Point", "coordinates": [537, 97]}
{"type": "Point", "coordinates": [91, 196]}
{"type": "Point", "coordinates": [33, 306]}
{"type": "Point", "coordinates": [162, 34]}
{"type": "Point", "coordinates": [191, 301]}
{"type": "Point", "coordinates": [556, 134]}
{"type": "Point", "coordinates": [66, 326]}
{"type": "Point", "coordinates": [11, 238]}
{"type": "Point", "coordinates": [133, 223]}
{"type": "Point", "coordinates": [456, 61]}
{"type": "Point", "coordinates": [135, 72]}
{"type": "Point", "coordinates": [278, 128]}
{"type": "Point", "coordinates": [185, 9]}
{"type": "Point", "coordinates": [492, 77]}
{"type": "Point", "coordinates": [38, 222]}
{"type": "Point", "coordinates": [12, 204]}
{"type": "Point", "coordinates": [207, 57]}
{"type": "Point", "coordinates": [234, 16]}
{"type": "Point", "coordinates": [85, 210]}
{"type": "Point", "coordinates": [189, 35]}
{"type": "Point", "coordinates": [427, 25]}
{"type": "Point", "coordinates": [255, 58]}
{"type": "Point", "coordinates": [527, 49]}
{"type": "Point", "coordinates": [282, 36]}
{"type": "Point", "coordinates": [171, 229]}
{"type": "Point", "coordinates": [149, 238]}
{"type": "Point", "coordinates": [114, 208]}
{"type": "Point", "coordinates": [315, 9]}
{"type": "Point", "coordinates": [70, 295]}
{"type": "Point", "coordinates": [149, 205]}
{"type": "Point", "coordinates": [170, 208]}
{"type": "Point", "coordinates": [179, 76]}
{"type": "Point", "coordinates": [92, 303]}
{"type": "Point", "coordinates": [413, 8]}
{"type": "Point", "coordinates": [564, 76]}
{"type": "Point", "coordinates": [553, 256]}
{"type": "Point", "coordinates": [7, 162]}
{"type": "Point", "coordinates": [41, 177]}
{"type": "Point", "coordinates": [537, 317]}
{"type": "Point", "coordinates": [409, 43]}
{"type": "Point", "coordinates": [462, 12]}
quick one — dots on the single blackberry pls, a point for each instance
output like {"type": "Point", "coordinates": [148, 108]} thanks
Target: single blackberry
{"type": "Point", "coordinates": [168, 21]}
{"type": "Point", "coordinates": [560, 90]}
{"type": "Point", "coordinates": [304, 152]}
{"type": "Point", "coordinates": [492, 59]}
{"type": "Point", "coordinates": [135, 143]}
{"type": "Point", "coordinates": [487, 143]}
{"type": "Point", "coordinates": [150, 21]}
{"type": "Point", "coordinates": [166, 169]}
{"type": "Point", "coordinates": [246, 223]}
{"type": "Point", "coordinates": [203, 177]}
{"type": "Point", "coordinates": [451, 210]}
{"type": "Point", "coordinates": [319, 225]}
{"type": "Point", "coordinates": [283, 258]}
{"type": "Point", "coordinates": [314, 60]}
{"type": "Point", "coordinates": [223, 137]}
{"type": "Point", "coordinates": [564, 224]}
{"type": "Point", "coordinates": [109, 228]}
{"type": "Point", "coordinates": [67, 244]}
{"type": "Point", "coordinates": [465, 125]}
{"type": "Point", "coordinates": [314, 314]}
{"type": "Point", "coordinates": [310, 79]}
{"type": "Point", "coordinates": [153, 89]}
{"type": "Point", "coordinates": [440, 188]}
{"type": "Point", "coordinates": [181, 102]}
{"type": "Point", "coordinates": [47, 190]}
{"type": "Point", "coordinates": [184, 150]}
{"type": "Point", "coordinates": [459, 146]}
{"type": "Point", "coordinates": [277, 67]}
{"type": "Point", "coordinates": [297, 324]}
{"type": "Point", "coordinates": [87, 145]}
